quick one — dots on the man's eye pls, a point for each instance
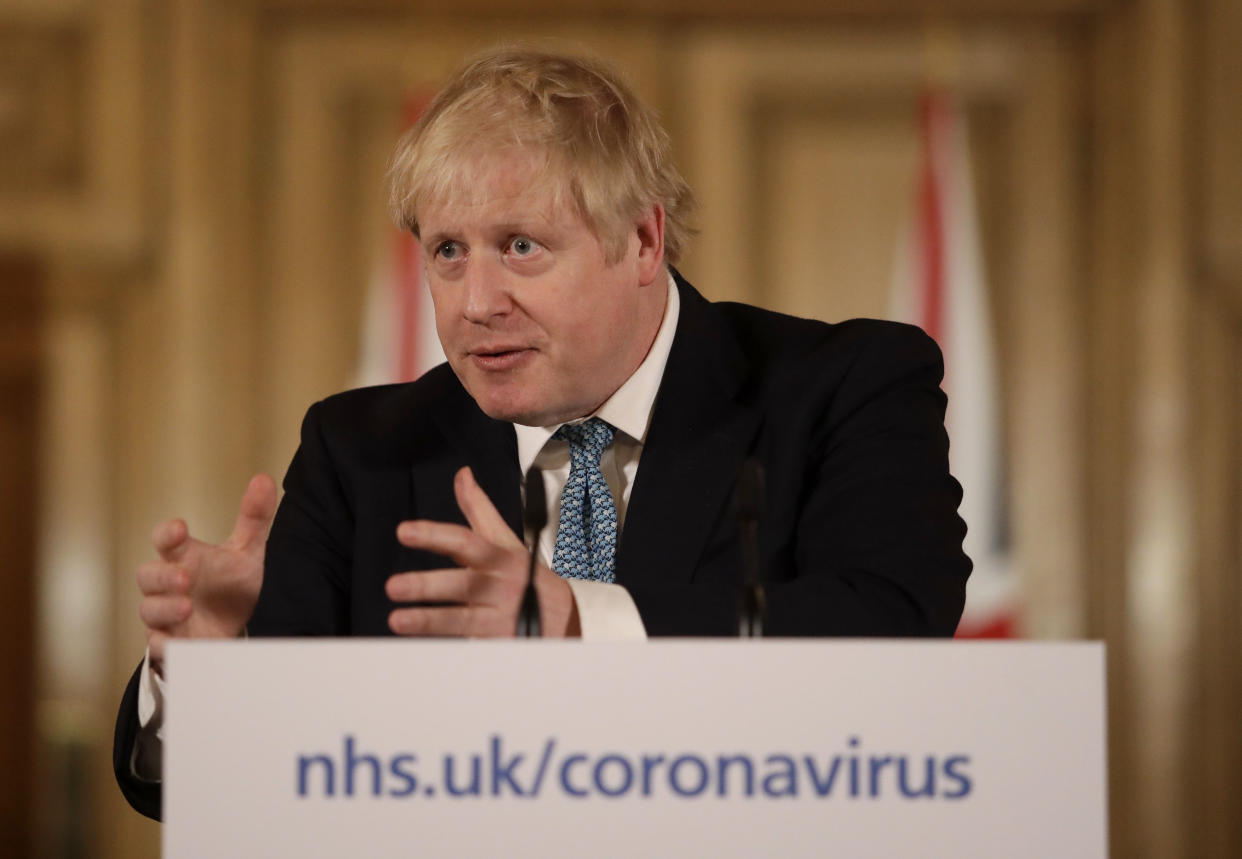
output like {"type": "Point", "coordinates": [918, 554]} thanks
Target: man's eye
{"type": "Point", "coordinates": [523, 246]}
{"type": "Point", "coordinates": [449, 250]}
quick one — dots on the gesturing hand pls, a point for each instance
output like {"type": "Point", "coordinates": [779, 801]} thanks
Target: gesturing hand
{"type": "Point", "coordinates": [199, 590]}
{"type": "Point", "coordinates": [480, 599]}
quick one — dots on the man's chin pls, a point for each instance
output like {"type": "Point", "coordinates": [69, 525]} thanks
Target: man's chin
{"type": "Point", "coordinates": [521, 402]}
{"type": "Point", "coordinates": [513, 410]}
{"type": "Point", "coordinates": [513, 416]}
{"type": "Point", "coordinates": [516, 411]}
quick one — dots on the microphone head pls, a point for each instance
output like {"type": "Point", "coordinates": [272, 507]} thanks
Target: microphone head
{"type": "Point", "coordinates": [748, 497]}
{"type": "Point", "coordinates": [535, 516]}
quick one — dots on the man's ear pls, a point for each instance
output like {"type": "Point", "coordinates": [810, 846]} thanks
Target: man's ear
{"type": "Point", "coordinates": [650, 231]}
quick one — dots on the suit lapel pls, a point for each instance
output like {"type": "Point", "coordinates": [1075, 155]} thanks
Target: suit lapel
{"type": "Point", "coordinates": [488, 446]}
{"type": "Point", "coordinates": [697, 441]}
{"type": "Point", "coordinates": [699, 435]}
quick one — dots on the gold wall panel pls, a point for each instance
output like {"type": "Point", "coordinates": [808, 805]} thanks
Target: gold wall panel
{"type": "Point", "coordinates": [42, 84]}
{"type": "Point", "coordinates": [203, 180]}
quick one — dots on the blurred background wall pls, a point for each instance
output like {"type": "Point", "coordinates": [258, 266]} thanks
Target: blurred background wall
{"type": "Point", "coordinates": [191, 200]}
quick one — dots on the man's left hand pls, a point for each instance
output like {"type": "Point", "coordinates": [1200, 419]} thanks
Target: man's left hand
{"type": "Point", "coordinates": [481, 598]}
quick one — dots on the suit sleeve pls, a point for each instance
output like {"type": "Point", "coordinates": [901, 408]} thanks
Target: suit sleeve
{"type": "Point", "coordinates": [303, 592]}
{"type": "Point", "coordinates": [144, 796]}
{"type": "Point", "coordinates": [879, 541]}
{"type": "Point", "coordinates": [867, 539]}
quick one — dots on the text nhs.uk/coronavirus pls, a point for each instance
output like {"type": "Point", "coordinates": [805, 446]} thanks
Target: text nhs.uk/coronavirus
{"type": "Point", "coordinates": [499, 770]}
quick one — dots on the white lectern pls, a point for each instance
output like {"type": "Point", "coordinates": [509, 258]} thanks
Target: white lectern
{"type": "Point", "coordinates": [342, 748]}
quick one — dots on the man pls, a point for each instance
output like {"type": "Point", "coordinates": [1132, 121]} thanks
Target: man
{"type": "Point", "coordinates": [548, 209]}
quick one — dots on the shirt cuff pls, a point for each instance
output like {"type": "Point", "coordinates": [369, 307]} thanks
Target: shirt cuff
{"type": "Point", "coordinates": [147, 760]}
{"type": "Point", "coordinates": [606, 612]}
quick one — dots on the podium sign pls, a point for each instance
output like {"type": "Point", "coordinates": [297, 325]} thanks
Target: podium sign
{"type": "Point", "coordinates": [670, 748]}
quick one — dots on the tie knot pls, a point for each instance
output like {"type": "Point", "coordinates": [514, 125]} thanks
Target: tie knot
{"type": "Point", "coordinates": [592, 436]}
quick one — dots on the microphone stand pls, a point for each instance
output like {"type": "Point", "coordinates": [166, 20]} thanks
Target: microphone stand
{"type": "Point", "coordinates": [749, 502]}
{"type": "Point", "coordinates": [534, 518]}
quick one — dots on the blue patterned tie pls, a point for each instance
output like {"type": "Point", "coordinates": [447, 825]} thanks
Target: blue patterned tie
{"type": "Point", "coordinates": [586, 536]}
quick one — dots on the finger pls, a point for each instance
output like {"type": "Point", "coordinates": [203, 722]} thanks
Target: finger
{"type": "Point", "coordinates": [446, 621]}
{"type": "Point", "coordinates": [453, 621]}
{"type": "Point", "coordinates": [444, 538]}
{"type": "Point", "coordinates": [480, 512]}
{"type": "Point", "coordinates": [161, 577]}
{"type": "Point", "coordinates": [155, 643]}
{"type": "Point", "coordinates": [171, 539]}
{"type": "Point", "coordinates": [429, 586]}
{"type": "Point", "coordinates": [258, 506]}
{"type": "Point", "coordinates": [164, 612]}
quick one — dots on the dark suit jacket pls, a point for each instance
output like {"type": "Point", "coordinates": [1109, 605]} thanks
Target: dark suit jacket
{"type": "Point", "coordinates": [860, 536]}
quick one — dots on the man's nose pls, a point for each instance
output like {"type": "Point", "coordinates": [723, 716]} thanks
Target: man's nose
{"type": "Point", "coordinates": [487, 292]}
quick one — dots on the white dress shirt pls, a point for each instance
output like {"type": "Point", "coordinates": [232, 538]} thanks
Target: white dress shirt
{"type": "Point", "coordinates": [605, 611]}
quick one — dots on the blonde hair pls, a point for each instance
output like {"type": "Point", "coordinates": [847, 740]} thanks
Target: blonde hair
{"type": "Point", "coordinates": [598, 142]}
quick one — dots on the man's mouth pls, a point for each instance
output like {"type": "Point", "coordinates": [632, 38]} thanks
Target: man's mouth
{"type": "Point", "coordinates": [500, 358]}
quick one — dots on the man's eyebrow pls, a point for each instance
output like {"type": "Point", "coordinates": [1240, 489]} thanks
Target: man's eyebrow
{"type": "Point", "coordinates": [429, 238]}
{"type": "Point", "coordinates": [517, 226]}
{"type": "Point", "coordinates": [520, 222]}
{"type": "Point", "coordinates": [534, 224]}
{"type": "Point", "coordinates": [435, 238]}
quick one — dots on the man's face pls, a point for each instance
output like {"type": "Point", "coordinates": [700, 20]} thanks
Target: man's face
{"type": "Point", "coordinates": [534, 322]}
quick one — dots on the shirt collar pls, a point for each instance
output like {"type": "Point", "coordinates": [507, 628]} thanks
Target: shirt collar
{"type": "Point", "coordinates": [629, 408]}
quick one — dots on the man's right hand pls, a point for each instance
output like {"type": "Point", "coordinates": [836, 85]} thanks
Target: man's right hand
{"type": "Point", "coordinates": [198, 590]}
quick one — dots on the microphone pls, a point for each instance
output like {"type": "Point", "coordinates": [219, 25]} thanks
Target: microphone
{"type": "Point", "coordinates": [534, 518]}
{"type": "Point", "coordinates": [748, 503]}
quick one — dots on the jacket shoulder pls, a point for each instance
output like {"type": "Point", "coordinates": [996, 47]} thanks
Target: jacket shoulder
{"type": "Point", "coordinates": [385, 419]}
{"type": "Point", "coordinates": [770, 331]}
{"type": "Point", "coordinates": [384, 405]}
{"type": "Point", "coordinates": [806, 351]}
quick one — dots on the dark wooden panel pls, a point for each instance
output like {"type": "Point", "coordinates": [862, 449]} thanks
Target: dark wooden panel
{"type": "Point", "coordinates": [19, 402]}
{"type": "Point", "coordinates": [1215, 88]}
{"type": "Point", "coordinates": [1215, 745]}
{"type": "Point", "coordinates": [1110, 318]}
